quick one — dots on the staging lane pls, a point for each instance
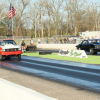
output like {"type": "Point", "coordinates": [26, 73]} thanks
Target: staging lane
{"type": "Point", "coordinates": [85, 76]}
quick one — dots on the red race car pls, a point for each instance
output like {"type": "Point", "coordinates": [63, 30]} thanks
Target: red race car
{"type": "Point", "coordinates": [9, 48]}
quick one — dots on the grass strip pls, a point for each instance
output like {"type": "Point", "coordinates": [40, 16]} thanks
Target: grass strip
{"type": "Point", "coordinates": [90, 60]}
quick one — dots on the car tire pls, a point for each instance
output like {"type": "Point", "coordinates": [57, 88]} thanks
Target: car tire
{"type": "Point", "coordinates": [1, 57]}
{"type": "Point", "coordinates": [91, 51]}
{"type": "Point", "coordinates": [95, 53]}
{"type": "Point", "coordinates": [7, 57]}
{"type": "Point", "coordinates": [78, 48]}
{"type": "Point", "coordinates": [19, 57]}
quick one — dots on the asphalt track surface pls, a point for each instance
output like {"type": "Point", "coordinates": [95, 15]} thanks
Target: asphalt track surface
{"type": "Point", "coordinates": [77, 74]}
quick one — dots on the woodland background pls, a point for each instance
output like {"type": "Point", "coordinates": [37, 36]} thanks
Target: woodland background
{"type": "Point", "coordinates": [46, 18]}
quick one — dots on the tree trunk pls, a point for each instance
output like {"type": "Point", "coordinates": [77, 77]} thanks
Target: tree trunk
{"type": "Point", "coordinates": [17, 34]}
{"type": "Point", "coordinates": [67, 24]}
{"type": "Point", "coordinates": [55, 29]}
{"type": "Point", "coordinates": [61, 33]}
{"type": "Point", "coordinates": [67, 29]}
{"type": "Point", "coordinates": [39, 30]}
{"type": "Point", "coordinates": [42, 27]}
{"type": "Point", "coordinates": [49, 27]}
{"type": "Point", "coordinates": [75, 31]}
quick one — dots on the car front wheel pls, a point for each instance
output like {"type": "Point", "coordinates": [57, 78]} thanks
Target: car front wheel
{"type": "Point", "coordinates": [1, 57]}
{"type": "Point", "coordinates": [19, 57]}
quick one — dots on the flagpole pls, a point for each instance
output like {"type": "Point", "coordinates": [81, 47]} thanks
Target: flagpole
{"type": "Point", "coordinates": [12, 28]}
{"type": "Point", "coordinates": [12, 13]}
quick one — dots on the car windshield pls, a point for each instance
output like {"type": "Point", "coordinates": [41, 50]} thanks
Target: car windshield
{"type": "Point", "coordinates": [2, 43]}
{"type": "Point", "coordinates": [94, 41]}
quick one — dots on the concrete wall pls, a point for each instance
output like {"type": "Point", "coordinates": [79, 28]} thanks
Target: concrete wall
{"type": "Point", "coordinates": [57, 46]}
{"type": "Point", "coordinates": [11, 91]}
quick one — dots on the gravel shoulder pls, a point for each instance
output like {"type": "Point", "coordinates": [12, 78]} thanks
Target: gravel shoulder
{"type": "Point", "coordinates": [47, 87]}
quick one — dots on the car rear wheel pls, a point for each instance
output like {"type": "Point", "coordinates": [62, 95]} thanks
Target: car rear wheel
{"type": "Point", "coordinates": [19, 57]}
{"type": "Point", "coordinates": [1, 57]}
{"type": "Point", "coordinates": [91, 51]}
{"type": "Point", "coordinates": [78, 48]}
{"type": "Point", "coordinates": [95, 52]}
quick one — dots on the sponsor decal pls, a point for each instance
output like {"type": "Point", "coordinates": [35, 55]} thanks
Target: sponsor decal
{"type": "Point", "coordinates": [75, 53]}
{"type": "Point", "coordinates": [72, 53]}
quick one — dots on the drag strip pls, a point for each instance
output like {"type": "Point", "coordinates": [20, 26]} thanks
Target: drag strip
{"type": "Point", "coordinates": [78, 74]}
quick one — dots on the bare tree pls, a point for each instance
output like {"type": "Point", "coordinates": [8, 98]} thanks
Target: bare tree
{"type": "Point", "coordinates": [22, 13]}
{"type": "Point", "coordinates": [48, 7]}
{"type": "Point", "coordinates": [74, 15]}
{"type": "Point", "coordinates": [92, 17]}
{"type": "Point", "coordinates": [41, 12]}
{"type": "Point", "coordinates": [67, 8]}
{"type": "Point", "coordinates": [3, 6]}
{"type": "Point", "coordinates": [56, 7]}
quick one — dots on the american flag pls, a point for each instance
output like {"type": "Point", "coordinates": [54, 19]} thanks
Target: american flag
{"type": "Point", "coordinates": [12, 11]}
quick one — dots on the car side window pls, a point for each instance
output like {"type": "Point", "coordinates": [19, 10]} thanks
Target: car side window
{"type": "Point", "coordinates": [90, 41]}
{"type": "Point", "coordinates": [98, 41]}
{"type": "Point", "coordinates": [84, 42]}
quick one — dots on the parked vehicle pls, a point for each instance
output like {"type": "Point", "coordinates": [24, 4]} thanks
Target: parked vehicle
{"type": "Point", "coordinates": [90, 34]}
{"type": "Point", "coordinates": [9, 48]}
{"type": "Point", "coordinates": [91, 45]}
